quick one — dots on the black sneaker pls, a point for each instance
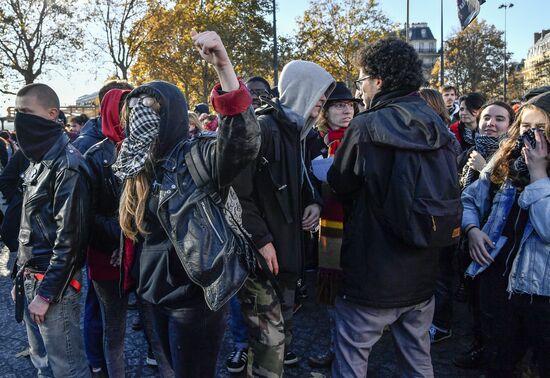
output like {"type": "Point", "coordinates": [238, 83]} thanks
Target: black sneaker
{"type": "Point", "coordinates": [237, 360]}
{"type": "Point", "coordinates": [471, 359]}
{"type": "Point", "coordinates": [322, 360]}
{"type": "Point", "coordinates": [151, 360]}
{"type": "Point", "coordinates": [290, 359]}
{"type": "Point", "coordinates": [437, 334]}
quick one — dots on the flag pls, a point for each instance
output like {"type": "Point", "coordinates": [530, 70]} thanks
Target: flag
{"type": "Point", "coordinates": [468, 11]}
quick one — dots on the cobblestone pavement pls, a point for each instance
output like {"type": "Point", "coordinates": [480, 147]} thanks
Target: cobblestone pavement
{"type": "Point", "coordinates": [311, 337]}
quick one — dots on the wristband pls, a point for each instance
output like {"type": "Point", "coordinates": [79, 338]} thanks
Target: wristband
{"type": "Point", "coordinates": [469, 228]}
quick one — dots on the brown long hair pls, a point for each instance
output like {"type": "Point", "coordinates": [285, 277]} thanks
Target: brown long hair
{"type": "Point", "coordinates": [503, 157]}
{"type": "Point", "coordinates": [435, 100]}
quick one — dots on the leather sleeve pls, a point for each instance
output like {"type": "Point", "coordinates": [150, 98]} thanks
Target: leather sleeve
{"type": "Point", "coordinates": [71, 205]}
{"type": "Point", "coordinates": [238, 144]}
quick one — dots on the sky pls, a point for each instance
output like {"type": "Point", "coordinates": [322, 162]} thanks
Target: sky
{"type": "Point", "coordinates": [524, 19]}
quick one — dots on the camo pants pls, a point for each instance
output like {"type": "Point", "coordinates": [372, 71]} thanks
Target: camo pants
{"type": "Point", "coordinates": [269, 323]}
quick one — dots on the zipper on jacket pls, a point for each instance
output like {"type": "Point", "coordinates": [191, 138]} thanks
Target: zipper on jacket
{"type": "Point", "coordinates": [211, 223]}
{"type": "Point", "coordinates": [434, 227]}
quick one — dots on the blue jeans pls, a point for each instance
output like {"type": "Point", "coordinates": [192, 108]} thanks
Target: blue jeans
{"type": "Point", "coordinates": [113, 313]}
{"type": "Point", "coordinates": [237, 325]}
{"type": "Point", "coordinates": [93, 328]}
{"type": "Point", "coordinates": [59, 335]}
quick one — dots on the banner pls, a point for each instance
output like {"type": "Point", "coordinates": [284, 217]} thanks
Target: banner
{"type": "Point", "coordinates": [468, 11]}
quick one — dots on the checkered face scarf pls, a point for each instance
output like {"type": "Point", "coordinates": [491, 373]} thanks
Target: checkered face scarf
{"type": "Point", "coordinates": [136, 147]}
{"type": "Point", "coordinates": [486, 146]}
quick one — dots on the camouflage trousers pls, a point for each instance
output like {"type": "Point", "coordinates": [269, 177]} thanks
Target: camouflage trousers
{"type": "Point", "coordinates": [269, 323]}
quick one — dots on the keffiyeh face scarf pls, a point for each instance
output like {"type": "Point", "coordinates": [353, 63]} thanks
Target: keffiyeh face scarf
{"type": "Point", "coordinates": [519, 172]}
{"type": "Point", "coordinates": [486, 146]}
{"type": "Point", "coordinates": [136, 147]}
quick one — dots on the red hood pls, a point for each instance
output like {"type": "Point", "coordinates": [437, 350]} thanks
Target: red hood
{"type": "Point", "coordinates": [110, 115]}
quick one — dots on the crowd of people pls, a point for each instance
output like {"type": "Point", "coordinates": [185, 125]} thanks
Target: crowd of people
{"type": "Point", "coordinates": [407, 198]}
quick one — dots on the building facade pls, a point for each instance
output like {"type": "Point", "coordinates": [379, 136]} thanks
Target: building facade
{"type": "Point", "coordinates": [425, 44]}
{"type": "Point", "coordinates": [536, 71]}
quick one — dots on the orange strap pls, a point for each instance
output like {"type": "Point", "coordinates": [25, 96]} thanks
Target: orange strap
{"type": "Point", "coordinates": [74, 283]}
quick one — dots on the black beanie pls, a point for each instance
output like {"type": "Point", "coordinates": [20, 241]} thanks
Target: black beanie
{"type": "Point", "coordinates": [535, 92]}
{"type": "Point", "coordinates": [541, 101]}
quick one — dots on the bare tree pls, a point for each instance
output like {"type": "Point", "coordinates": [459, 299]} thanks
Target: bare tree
{"type": "Point", "coordinates": [122, 23]}
{"type": "Point", "coordinates": [33, 34]}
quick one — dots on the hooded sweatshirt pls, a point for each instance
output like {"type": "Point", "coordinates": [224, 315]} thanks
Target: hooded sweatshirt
{"type": "Point", "coordinates": [274, 199]}
{"type": "Point", "coordinates": [301, 85]}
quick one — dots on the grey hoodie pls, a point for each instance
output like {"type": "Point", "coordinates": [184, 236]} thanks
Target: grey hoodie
{"type": "Point", "coordinates": [301, 86]}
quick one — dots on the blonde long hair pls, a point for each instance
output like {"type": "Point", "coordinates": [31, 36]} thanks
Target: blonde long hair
{"type": "Point", "coordinates": [135, 193]}
{"type": "Point", "coordinates": [503, 157]}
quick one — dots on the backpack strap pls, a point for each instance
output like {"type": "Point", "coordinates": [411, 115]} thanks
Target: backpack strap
{"type": "Point", "coordinates": [201, 176]}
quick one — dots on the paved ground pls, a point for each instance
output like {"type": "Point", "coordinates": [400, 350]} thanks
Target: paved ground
{"type": "Point", "coordinates": [311, 337]}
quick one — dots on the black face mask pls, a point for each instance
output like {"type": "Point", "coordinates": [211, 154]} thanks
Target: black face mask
{"type": "Point", "coordinates": [36, 135]}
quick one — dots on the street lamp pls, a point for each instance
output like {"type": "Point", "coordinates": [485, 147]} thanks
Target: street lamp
{"type": "Point", "coordinates": [275, 47]}
{"type": "Point", "coordinates": [505, 6]}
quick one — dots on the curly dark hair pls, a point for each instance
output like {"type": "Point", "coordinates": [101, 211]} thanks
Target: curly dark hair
{"type": "Point", "coordinates": [394, 61]}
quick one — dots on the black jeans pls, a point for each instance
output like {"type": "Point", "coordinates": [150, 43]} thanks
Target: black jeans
{"type": "Point", "coordinates": [528, 325]}
{"type": "Point", "coordinates": [443, 315]}
{"type": "Point", "coordinates": [187, 339]}
{"type": "Point", "coordinates": [113, 312]}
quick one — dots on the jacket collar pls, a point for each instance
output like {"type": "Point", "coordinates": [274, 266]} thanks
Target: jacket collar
{"type": "Point", "coordinates": [170, 163]}
{"type": "Point", "coordinates": [56, 150]}
{"type": "Point", "coordinates": [383, 98]}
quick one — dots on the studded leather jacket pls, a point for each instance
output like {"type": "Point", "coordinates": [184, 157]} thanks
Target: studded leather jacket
{"type": "Point", "coordinates": [54, 221]}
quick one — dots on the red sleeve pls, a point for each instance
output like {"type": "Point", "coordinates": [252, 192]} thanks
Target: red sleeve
{"type": "Point", "coordinates": [454, 129]}
{"type": "Point", "coordinates": [231, 103]}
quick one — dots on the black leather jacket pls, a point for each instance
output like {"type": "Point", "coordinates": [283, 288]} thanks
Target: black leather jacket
{"type": "Point", "coordinates": [236, 146]}
{"type": "Point", "coordinates": [54, 221]}
{"type": "Point", "coordinates": [105, 228]}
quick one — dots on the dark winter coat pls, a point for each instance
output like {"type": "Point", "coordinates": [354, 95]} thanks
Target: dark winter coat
{"type": "Point", "coordinates": [378, 269]}
{"type": "Point", "coordinates": [89, 135]}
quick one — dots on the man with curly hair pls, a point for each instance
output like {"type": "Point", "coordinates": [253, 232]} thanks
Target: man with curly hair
{"type": "Point", "coordinates": [387, 279]}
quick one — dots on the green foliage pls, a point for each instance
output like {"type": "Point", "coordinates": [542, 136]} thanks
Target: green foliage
{"type": "Point", "coordinates": [331, 31]}
{"type": "Point", "coordinates": [167, 52]}
{"type": "Point", "coordinates": [474, 60]}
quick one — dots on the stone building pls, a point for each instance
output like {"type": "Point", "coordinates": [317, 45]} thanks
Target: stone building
{"type": "Point", "coordinates": [424, 42]}
{"type": "Point", "coordinates": [536, 71]}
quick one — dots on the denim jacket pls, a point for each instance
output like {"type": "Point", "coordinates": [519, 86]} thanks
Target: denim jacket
{"type": "Point", "coordinates": [530, 272]}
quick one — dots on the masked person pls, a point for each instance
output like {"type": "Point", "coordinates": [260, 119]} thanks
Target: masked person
{"type": "Point", "coordinates": [53, 234]}
{"type": "Point", "coordinates": [180, 294]}
{"type": "Point", "coordinates": [506, 222]}
{"type": "Point", "coordinates": [103, 267]}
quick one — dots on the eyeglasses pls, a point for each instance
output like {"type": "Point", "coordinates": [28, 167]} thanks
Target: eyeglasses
{"type": "Point", "coordinates": [146, 100]}
{"type": "Point", "coordinates": [342, 105]}
{"type": "Point", "coordinates": [359, 83]}
{"type": "Point", "coordinates": [259, 92]}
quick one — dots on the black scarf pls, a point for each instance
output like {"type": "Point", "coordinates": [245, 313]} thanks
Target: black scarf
{"type": "Point", "coordinates": [519, 172]}
{"type": "Point", "coordinates": [486, 146]}
{"type": "Point", "coordinates": [36, 135]}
